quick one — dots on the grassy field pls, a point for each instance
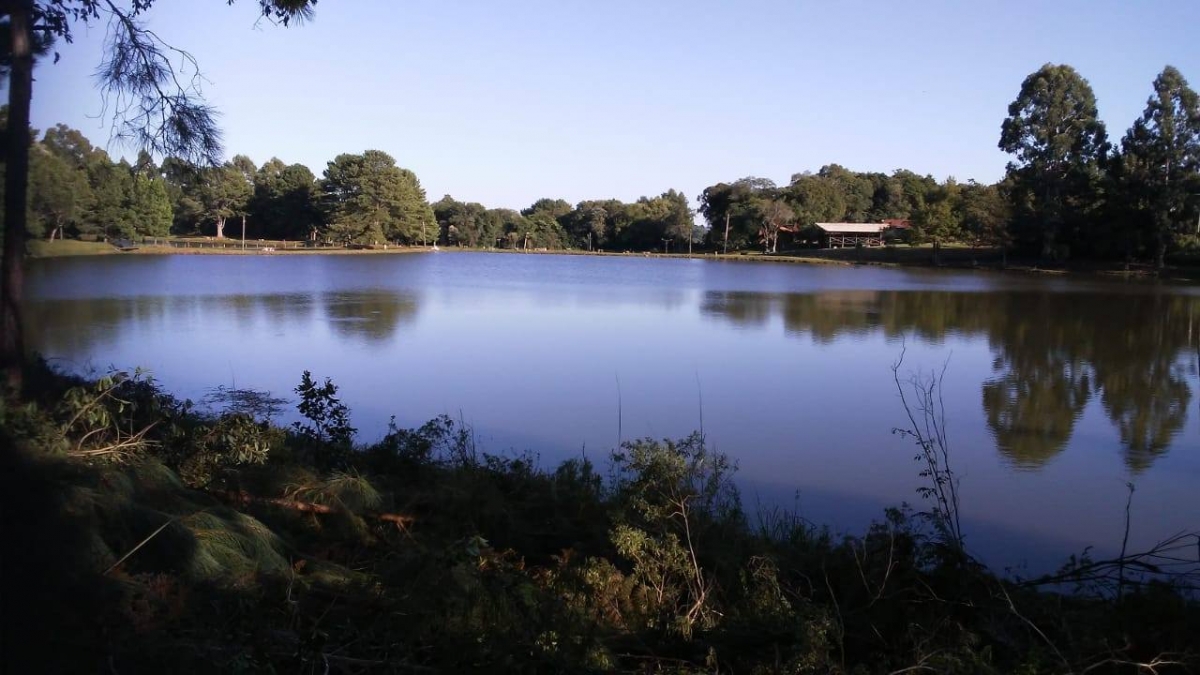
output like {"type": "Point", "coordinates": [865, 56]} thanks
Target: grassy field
{"type": "Point", "coordinates": [70, 247]}
{"type": "Point", "coordinates": [39, 248]}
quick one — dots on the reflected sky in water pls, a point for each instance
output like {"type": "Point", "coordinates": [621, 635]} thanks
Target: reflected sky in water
{"type": "Point", "coordinates": [1058, 390]}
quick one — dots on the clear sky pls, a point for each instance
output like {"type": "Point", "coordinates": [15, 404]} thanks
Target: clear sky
{"type": "Point", "coordinates": [505, 102]}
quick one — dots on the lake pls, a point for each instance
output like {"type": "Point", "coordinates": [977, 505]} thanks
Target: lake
{"type": "Point", "coordinates": [1058, 391]}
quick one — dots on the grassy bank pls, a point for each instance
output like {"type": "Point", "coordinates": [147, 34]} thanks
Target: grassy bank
{"type": "Point", "coordinates": [950, 257]}
{"type": "Point", "coordinates": [69, 247]}
{"type": "Point", "coordinates": [144, 536]}
{"type": "Point", "coordinates": [40, 248]}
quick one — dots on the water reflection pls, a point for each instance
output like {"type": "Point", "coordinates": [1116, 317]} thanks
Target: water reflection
{"type": "Point", "coordinates": [1053, 353]}
{"type": "Point", "coordinates": [372, 316]}
{"type": "Point", "coordinates": [79, 327]}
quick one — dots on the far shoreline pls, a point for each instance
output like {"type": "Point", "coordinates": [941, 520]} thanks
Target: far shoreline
{"type": "Point", "coordinates": [951, 258]}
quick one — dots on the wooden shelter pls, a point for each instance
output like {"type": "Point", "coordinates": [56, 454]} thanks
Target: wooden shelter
{"type": "Point", "coordinates": [839, 235]}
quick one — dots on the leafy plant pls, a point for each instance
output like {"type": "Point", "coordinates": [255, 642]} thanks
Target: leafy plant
{"type": "Point", "coordinates": [328, 432]}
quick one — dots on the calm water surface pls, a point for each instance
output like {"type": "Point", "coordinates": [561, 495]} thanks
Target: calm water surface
{"type": "Point", "coordinates": [1058, 391]}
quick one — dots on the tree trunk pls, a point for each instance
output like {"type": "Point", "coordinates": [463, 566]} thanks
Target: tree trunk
{"type": "Point", "coordinates": [220, 228]}
{"type": "Point", "coordinates": [726, 233]}
{"type": "Point", "coordinates": [16, 181]}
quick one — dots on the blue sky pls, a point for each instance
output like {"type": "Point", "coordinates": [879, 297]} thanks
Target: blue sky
{"type": "Point", "coordinates": [505, 102]}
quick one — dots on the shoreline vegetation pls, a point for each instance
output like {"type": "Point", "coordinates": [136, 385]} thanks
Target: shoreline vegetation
{"type": "Point", "coordinates": [168, 535]}
{"type": "Point", "coordinates": [143, 533]}
{"type": "Point", "coordinates": [1070, 200]}
{"type": "Point", "coordinates": [949, 257]}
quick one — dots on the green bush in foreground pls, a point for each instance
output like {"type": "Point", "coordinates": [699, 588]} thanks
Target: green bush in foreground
{"type": "Point", "coordinates": [143, 535]}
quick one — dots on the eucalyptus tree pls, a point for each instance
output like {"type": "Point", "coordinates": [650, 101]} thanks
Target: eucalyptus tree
{"type": "Point", "coordinates": [224, 192]}
{"type": "Point", "coordinates": [149, 101]}
{"type": "Point", "coordinates": [1059, 144]}
{"type": "Point", "coordinates": [776, 215]}
{"type": "Point", "coordinates": [1160, 162]}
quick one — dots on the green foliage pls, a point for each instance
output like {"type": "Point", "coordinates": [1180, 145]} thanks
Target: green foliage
{"type": "Point", "coordinates": [58, 193]}
{"type": "Point", "coordinates": [107, 213]}
{"type": "Point", "coordinates": [936, 221]}
{"type": "Point", "coordinates": [677, 498]}
{"type": "Point", "coordinates": [284, 205]}
{"type": "Point", "coordinates": [369, 200]}
{"type": "Point", "coordinates": [1063, 195]}
{"type": "Point", "coordinates": [986, 214]}
{"type": "Point", "coordinates": [328, 429]}
{"type": "Point", "coordinates": [284, 565]}
{"type": "Point", "coordinates": [466, 224]}
{"type": "Point", "coordinates": [222, 192]}
{"type": "Point", "coordinates": [776, 215]}
{"type": "Point", "coordinates": [1159, 165]}
{"type": "Point", "coordinates": [816, 199]}
{"type": "Point", "coordinates": [75, 189]}
{"type": "Point", "coordinates": [125, 418]}
{"type": "Point", "coordinates": [150, 207]}
{"type": "Point", "coordinates": [737, 205]}
{"type": "Point", "coordinates": [1053, 130]}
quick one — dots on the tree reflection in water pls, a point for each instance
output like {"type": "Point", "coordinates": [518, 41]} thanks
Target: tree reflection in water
{"type": "Point", "coordinates": [1053, 352]}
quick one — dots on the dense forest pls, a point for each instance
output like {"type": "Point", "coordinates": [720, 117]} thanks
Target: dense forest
{"type": "Point", "coordinates": [1068, 193]}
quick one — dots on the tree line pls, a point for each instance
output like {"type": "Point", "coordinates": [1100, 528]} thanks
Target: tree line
{"type": "Point", "coordinates": [610, 224]}
{"type": "Point", "coordinates": [76, 189]}
{"type": "Point", "coordinates": [1068, 193]}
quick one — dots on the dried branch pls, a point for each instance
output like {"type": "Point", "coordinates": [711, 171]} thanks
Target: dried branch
{"type": "Point", "coordinates": [1174, 560]}
{"type": "Point", "coordinates": [244, 498]}
{"type": "Point", "coordinates": [929, 433]}
{"type": "Point", "coordinates": [139, 546]}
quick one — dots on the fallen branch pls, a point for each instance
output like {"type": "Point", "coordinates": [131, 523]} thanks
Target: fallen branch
{"type": "Point", "coordinates": [1175, 560]}
{"type": "Point", "coordinates": [138, 547]}
{"type": "Point", "coordinates": [245, 499]}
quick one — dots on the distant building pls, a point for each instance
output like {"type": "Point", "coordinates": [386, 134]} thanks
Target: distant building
{"type": "Point", "coordinates": [898, 224]}
{"type": "Point", "coordinates": [840, 235]}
